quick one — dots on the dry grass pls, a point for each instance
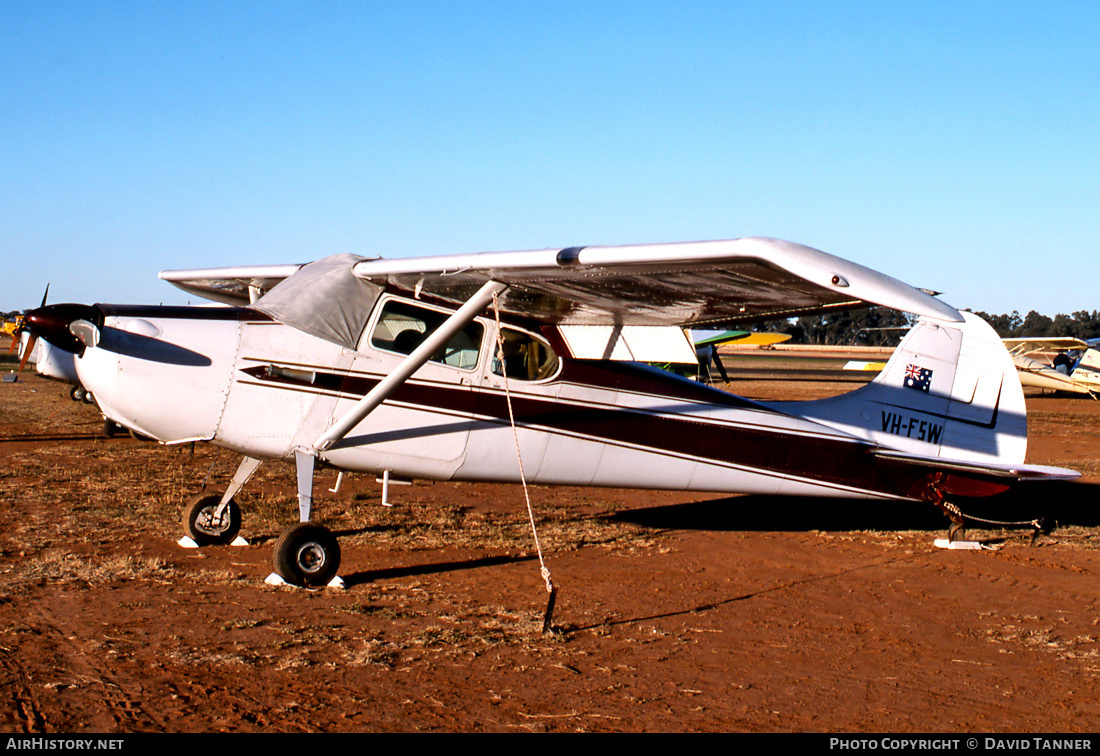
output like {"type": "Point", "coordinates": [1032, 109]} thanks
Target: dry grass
{"type": "Point", "coordinates": [1024, 632]}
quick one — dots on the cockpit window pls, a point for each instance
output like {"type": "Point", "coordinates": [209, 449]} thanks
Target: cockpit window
{"type": "Point", "coordinates": [526, 357]}
{"type": "Point", "coordinates": [402, 327]}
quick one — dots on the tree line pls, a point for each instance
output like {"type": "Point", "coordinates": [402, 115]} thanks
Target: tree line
{"type": "Point", "coordinates": [1081, 325]}
{"type": "Point", "coordinates": [878, 326]}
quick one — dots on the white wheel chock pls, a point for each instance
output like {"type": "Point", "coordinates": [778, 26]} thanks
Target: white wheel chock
{"type": "Point", "coordinates": [276, 579]}
{"type": "Point", "coordinates": [189, 543]}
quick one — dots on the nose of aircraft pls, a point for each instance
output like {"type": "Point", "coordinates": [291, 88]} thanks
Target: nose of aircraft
{"type": "Point", "coordinates": [56, 323]}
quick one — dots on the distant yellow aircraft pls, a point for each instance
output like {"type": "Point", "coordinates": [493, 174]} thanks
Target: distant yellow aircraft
{"type": "Point", "coordinates": [11, 326]}
{"type": "Point", "coordinates": [744, 338]}
{"type": "Point", "coordinates": [876, 367]}
{"type": "Point", "coordinates": [706, 349]}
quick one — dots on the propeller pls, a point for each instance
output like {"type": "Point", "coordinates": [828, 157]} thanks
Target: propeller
{"type": "Point", "coordinates": [20, 324]}
{"type": "Point", "coordinates": [69, 327]}
{"type": "Point", "coordinates": [16, 333]}
{"type": "Point", "coordinates": [31, 342]}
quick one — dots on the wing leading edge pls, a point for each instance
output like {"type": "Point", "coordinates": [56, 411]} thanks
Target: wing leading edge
{"type": "Point", "coordinates": [234, 286]}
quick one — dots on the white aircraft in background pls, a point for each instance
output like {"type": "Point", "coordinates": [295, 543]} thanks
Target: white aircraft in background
{"type": "Point", "coordinates": [415, 367]}
{"type": "Point", "coordinates": [1058, 363]}
{"type": "Point", "coordinates": [49, 361]}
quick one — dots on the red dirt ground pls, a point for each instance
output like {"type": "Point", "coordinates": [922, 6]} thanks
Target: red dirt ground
{"type": "Point", "coordinates": [676, 612]}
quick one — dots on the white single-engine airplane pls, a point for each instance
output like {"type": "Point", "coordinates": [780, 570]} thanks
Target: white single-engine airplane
{"type": "Point", "coordinates": [414, 366]}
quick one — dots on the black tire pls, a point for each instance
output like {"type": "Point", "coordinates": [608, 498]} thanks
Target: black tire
{"type": "Point", "coordinates": [199, 524]}
{"type": "Point", "coordinates": [110, 428]}
{"type": "Point", "coordinates": [307, 555]}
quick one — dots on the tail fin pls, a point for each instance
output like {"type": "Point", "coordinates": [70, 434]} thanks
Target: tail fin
{"type": "Point", "coordinates": [950, 391]}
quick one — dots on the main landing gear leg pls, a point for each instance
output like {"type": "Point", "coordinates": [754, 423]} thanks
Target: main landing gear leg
{"type": "Point", "coordinates": [306, 554]}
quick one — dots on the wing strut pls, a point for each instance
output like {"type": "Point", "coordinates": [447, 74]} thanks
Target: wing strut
{"type": "Point", "coordinates": [309, 551]}
{"type": "Point", "coordinates": [436, 341]}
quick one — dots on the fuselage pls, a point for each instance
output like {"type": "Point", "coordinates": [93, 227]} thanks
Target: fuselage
{"type": "Point", "coordinates": [236, 378]}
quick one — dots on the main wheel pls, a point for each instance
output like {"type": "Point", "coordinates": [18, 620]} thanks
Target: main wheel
{"type": "Point", "coordinates": [307, 555]}
{"type": "Point", "coordinates": [204, 528]}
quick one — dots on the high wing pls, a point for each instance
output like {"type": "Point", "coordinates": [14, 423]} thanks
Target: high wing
{"type": "Point", "coordinates": [695, 284]}
{"type": "Point", "coordinates": [1052, 344]}
{"type": "Point", "coordinates": [744, 338]}
{"type": "Point", "coordinates": [236, 286]}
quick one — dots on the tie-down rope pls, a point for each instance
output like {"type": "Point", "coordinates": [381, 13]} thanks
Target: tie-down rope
{"type": "Point", "coordinates": [544, 570]}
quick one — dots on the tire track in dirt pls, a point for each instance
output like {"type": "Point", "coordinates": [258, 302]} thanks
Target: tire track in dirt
{"type": "Point", "coordinates": [18, 684]}
{"type": "Point", "coordinates": [80, 664]}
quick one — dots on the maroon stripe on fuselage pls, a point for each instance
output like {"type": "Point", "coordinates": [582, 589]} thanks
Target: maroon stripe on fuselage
{"type": "Point", "coordinates": [831, 461]}
{"type": "Point", "coordinates": [638, 379]}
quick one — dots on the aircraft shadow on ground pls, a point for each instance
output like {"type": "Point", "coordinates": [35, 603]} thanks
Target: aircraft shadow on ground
{"type": "Point", "coordinates": [434, 568]}
{"type": "Point", "coordinates": [1058, 503]}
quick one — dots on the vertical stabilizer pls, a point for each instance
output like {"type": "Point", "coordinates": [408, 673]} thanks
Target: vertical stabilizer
{"type": "Point", "coordinates": [950, 390]}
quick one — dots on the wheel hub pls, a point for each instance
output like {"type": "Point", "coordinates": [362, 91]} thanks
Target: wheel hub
{"type": "Point", "coordinates": [209, 523]}
{"type": "Point", "coordinates": [311, 557]}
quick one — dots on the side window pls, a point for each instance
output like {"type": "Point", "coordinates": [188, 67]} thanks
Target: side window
{"type": "Point", "coordinates": [526, 357]}
{"type": "Point", "coordinates": [403, 326]}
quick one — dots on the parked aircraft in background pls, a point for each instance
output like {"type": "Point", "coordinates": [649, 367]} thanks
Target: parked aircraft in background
{"type": "Point", "coordinates": [762, 339]}
{"type": "Point", "coordinates": [49, 361]}
{"type": "Point", "coordinates": [448, 367]}
{"type": "Point", "coordinates": [704, 361]}
{"type": "Point", "coordinates": [1058, 363]}
{"type": "Point", "coordinates": [706, 349]}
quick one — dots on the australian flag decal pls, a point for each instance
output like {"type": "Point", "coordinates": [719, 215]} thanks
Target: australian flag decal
{"type": "Point", "coordinates": [918, 378]}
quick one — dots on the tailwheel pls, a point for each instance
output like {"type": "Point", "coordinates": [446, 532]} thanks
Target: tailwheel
{"type": "Point", "coordinates": [957, 531]}
{"type": "Point", "coordinates": [201, 523]}
{"type": "Point", "coordinates": [307, 555]}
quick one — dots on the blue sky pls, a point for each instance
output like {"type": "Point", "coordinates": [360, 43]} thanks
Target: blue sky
{"type": "Point", "coordinates": [952, 145]}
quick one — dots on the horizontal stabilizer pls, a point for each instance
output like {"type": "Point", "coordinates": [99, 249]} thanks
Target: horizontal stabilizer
{"type": "Point", "coordinates": [1016, 472]}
